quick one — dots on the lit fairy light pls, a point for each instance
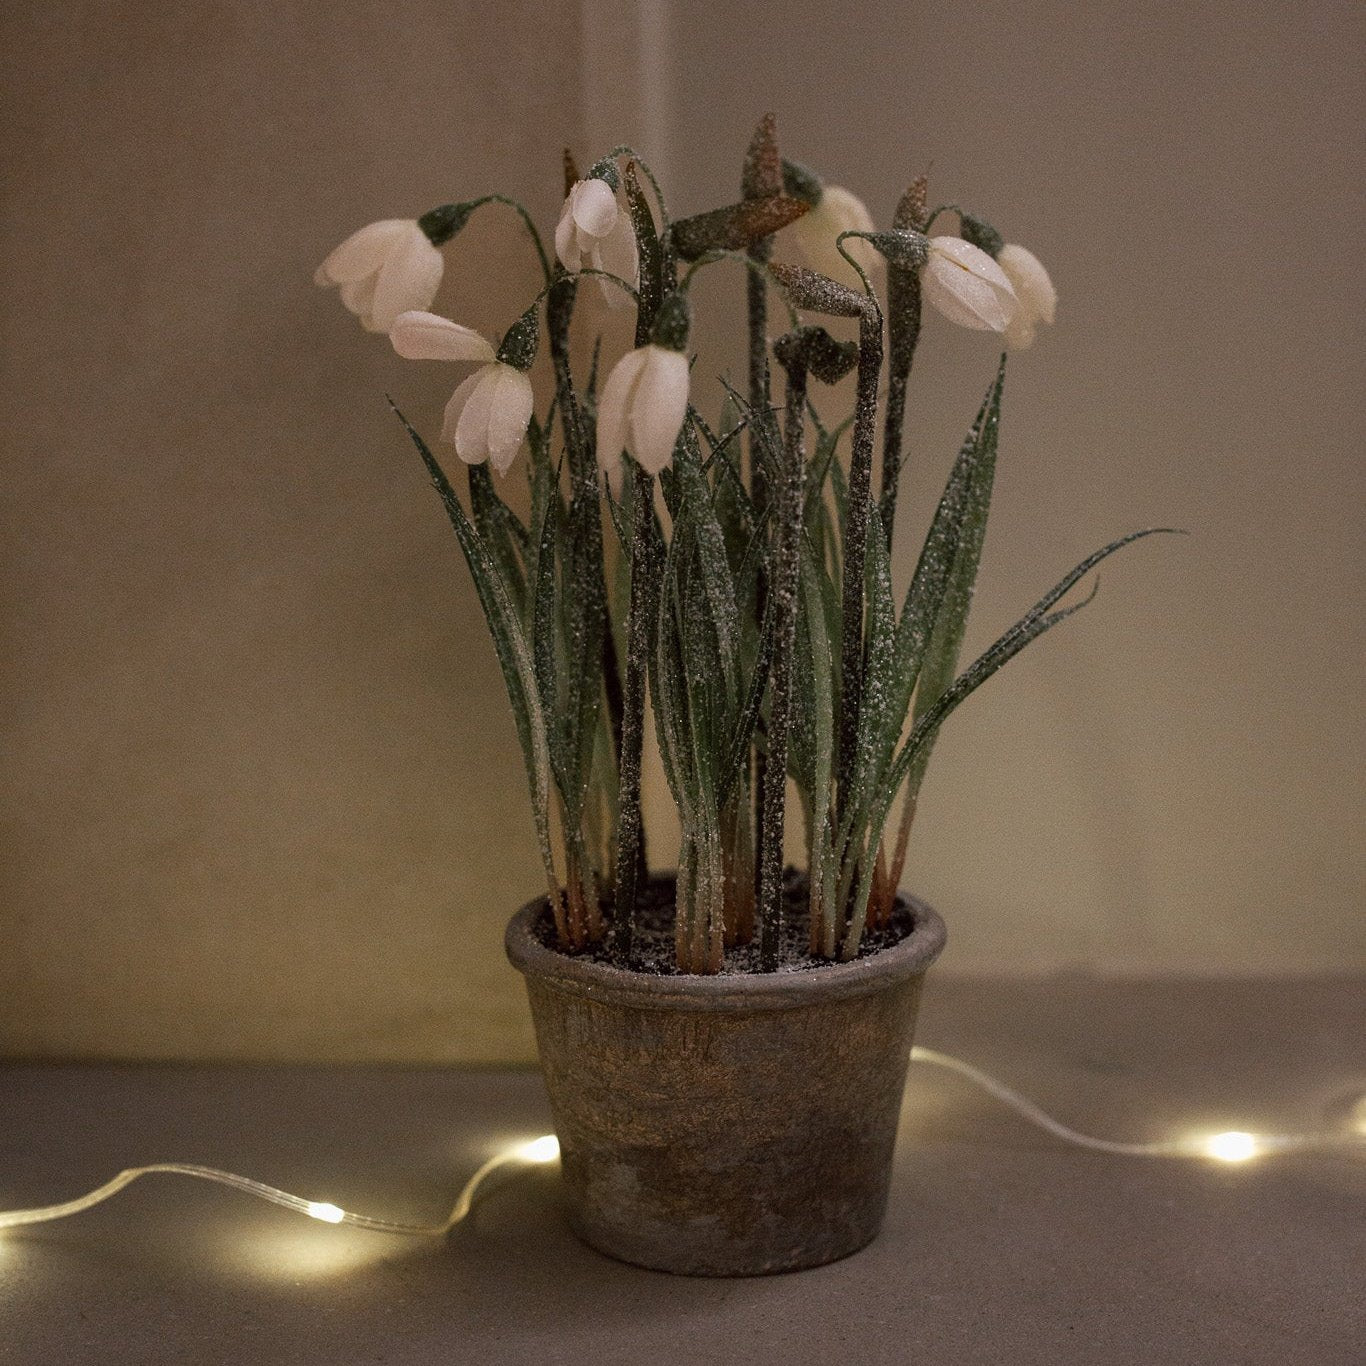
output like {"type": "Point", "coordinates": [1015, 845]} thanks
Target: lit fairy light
{"type": "Point", "coordinates": [543, 1149]}
{"type": "Point", "coordinates": [1232, 1146]}
{"type": "Point", "coordinates": [532, 1152]}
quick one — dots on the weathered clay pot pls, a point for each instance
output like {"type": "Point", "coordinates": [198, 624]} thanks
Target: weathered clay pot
{"type": "Point", "coordinates": [725, 1126]}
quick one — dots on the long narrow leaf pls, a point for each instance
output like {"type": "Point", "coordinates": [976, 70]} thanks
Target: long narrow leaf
{"type": "Point", "coordinates": [514, 658]}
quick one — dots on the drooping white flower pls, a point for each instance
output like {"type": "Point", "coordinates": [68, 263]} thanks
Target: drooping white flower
{"type": "Point", "coordinates": [642, 408]}
{"type": "Point", "coordinates": [385, 269]}
{"type": "Point", "coordinates": [487, 416]}
{"type": "Point", "coordinates": [595, 231]}
{"type": "Point", "coordinates": [967, 286]}
{"type": "Point", "coordinates": [815, 233]}
{"type": "Point", "coordinates": [1038, 299]}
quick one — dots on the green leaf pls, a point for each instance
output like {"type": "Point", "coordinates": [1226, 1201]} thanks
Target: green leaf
{"type": "Point", "coordinates": [514, 658]}
{"type": "Point", "coordinates": [652, 284]}
{"type": "Point", "coordinates": [977, 461]}
{"type": "Point", "coordinates": [501, 531]}
{"type": "Point", "coordinates": [1029, 628]}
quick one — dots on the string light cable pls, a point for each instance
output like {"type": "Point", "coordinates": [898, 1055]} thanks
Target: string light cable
{"type": "Point", "coordinates": [1230, 1146]}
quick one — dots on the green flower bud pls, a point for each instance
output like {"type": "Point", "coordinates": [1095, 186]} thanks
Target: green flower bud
{"type": "Point", "coordinates": [982, 235]}
{"type": "Point", "coordinates": [518, 347]}
{"type": "Point", "coordinates": [801, 182]}
{"type": "Point", "coordinates": [673, 322]}
{"type": "Point", "coordinates": [442, 223]}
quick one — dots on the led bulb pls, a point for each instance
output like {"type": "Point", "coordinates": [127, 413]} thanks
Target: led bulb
{"type": "Point", "coordinates": [328, 1213]}
{"type": "Point", "coordinates": [543, 1149]}
{"type": "Point", "coordinates": [1233, 1146]}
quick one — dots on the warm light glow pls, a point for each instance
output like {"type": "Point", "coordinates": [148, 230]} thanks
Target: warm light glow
{"type": "Point", "coordinates": [1359, 1116]}
{"type": "Point", "coordinates": [543, 1149]}
{"type": "Point", "coordinates": [329, 1214]}
{"type": "Point", "coordinates": [1233, 1146]}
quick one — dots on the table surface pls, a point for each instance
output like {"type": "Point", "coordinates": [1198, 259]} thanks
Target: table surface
{"type": "Point", "coordinates": [1002, 1244]}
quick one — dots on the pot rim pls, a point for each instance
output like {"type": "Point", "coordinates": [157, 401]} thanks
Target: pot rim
{"type": "Point", "coordinates": [786, 989]}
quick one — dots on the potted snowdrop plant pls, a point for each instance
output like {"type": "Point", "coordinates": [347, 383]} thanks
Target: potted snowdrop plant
{"type": "Point", "coordinates": [724, 1045]}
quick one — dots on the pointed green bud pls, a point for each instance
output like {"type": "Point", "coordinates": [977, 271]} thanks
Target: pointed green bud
{"type": "Point", "coordinates": [981, 234]}
{"type": "Point", "coordinates": [902, 247]}
{"type": "Point", "coordinates": [442, 223]}
{"type": "Point", "coordinates": [913, 206]}
{"type": "Point", "coordinates": [673, 322]}
{"type": "Point", "coordinates": [735, 227]}
{"type": "Point", "coordinates": [763, 173]}
{"type": "Point", "coordinates": [518, 347]}
{"type": "Point", "coordinates": [801, 182]}
{"type": "Point", "coordinates": [606, 169]}
{"type": "Point", "coordinates": [819, 293]}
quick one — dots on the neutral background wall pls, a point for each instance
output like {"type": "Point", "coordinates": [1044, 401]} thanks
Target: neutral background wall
{"type": "Point", "coordinates": [258, 775]}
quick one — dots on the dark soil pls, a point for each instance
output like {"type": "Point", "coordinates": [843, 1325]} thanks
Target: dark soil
{"type": "Point", "coordinates": [653, 950]}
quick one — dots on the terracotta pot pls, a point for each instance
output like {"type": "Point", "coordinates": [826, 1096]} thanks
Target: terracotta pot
{"type": "Point", "coordinates": [725, 1126]}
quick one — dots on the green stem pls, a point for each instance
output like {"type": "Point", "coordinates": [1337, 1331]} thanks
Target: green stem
{"type": "Point", "coordinates": [855, 547]}
{"type": "Point", "coordinates": [783, 603]}
{"type": "Point", "coordinates": [903, 329]}
{"type": "Point", "coordinates": [630, 834]}
{"type": "Point", "coordinates": [527, 219]}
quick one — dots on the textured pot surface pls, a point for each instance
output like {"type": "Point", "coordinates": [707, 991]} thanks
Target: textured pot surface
{"type": "Point", "coordinates": [726, 1126]}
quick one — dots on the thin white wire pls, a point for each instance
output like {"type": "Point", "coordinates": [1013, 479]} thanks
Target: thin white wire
{"type": "Point", "coordinates": [1178, 1147]}
{"type": "Point", "coordinates": [327, 1212]}
{"type": "Point", "coordinates": [545, 1149]}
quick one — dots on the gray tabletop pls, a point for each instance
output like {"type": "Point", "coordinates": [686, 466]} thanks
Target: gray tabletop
{"type": "Point", "coordinates": [1001, 1244]}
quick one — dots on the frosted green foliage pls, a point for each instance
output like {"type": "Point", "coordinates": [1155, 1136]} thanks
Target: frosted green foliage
{"type": "Point", "coordinates": [746, 593]}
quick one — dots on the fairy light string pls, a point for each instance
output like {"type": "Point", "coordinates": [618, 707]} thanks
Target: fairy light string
{"type": "Point", "coordinates": [1231, 1146]}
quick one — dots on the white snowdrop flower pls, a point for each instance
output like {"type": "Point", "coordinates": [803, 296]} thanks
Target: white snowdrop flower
{"type": "Point", "coordinates": [488, 414]}
{"type": "Point", "coordinates": [383, 270]}
{"type": "Point", "coordinates": [815, 233]}
{"type": "Point", "coordinates": [642, 408]}
{"type": "Point", "coordinates": [1038, 299]}
{"type": "Point", "coordinates": [967, 286]}
{"type": "Point", "coordinates": [595, 231]}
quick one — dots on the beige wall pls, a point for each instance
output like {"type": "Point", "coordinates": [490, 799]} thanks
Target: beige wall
{"type": "Point", "coordinates": [258, 774]}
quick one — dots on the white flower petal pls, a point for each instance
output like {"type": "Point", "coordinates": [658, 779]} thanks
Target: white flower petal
{"type": "Point", "coordinates": [359, 295]}
{"type": "Point", "coordinates": [594, 207]}
{"type": "Point", "coordinates": [613, 404]}
{"type": "Point", "coordinates": [1019, 332]}
{"type": "Point", "coordinates": [967, 286]}
{"type": "Point", "coordinates": [566, 244]}
{"type": "Point", "coordinates": [508, 416]}
{"type": "Point", "coordinates": [658, 407]}
{"type": "Point", "coordinates": [618, 255]}
{"type": "Point", "coordinates": [1032, 286]}
{"type": "Point", "coordinates": [450, 421]}
{"type": "Point", "coordinates": [815, 233]}
{"type": "Point", "coordinates": [427, 336]}
{"type": "Point", "coordinates": [364, 252]}
{"type": "Point", "coordinates": [614, 473]}
{"type": "Point", "coordinates": [408, 279]}
{"type": "Point", "coordinates": [472, 430]}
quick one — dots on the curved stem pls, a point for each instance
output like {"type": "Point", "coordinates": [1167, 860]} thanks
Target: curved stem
{"type": "Point", "coordinates": [942, 208]}
{"type": "Point", "coordinates": [862, 274]}
{"type": "Point", "coordinates": [587, 270]}
{"type": "Point", "coordinates": [527, 220]}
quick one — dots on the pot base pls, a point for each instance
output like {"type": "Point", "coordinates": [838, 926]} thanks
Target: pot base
{"type": "Point", "coordinates": [732, 1126]}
